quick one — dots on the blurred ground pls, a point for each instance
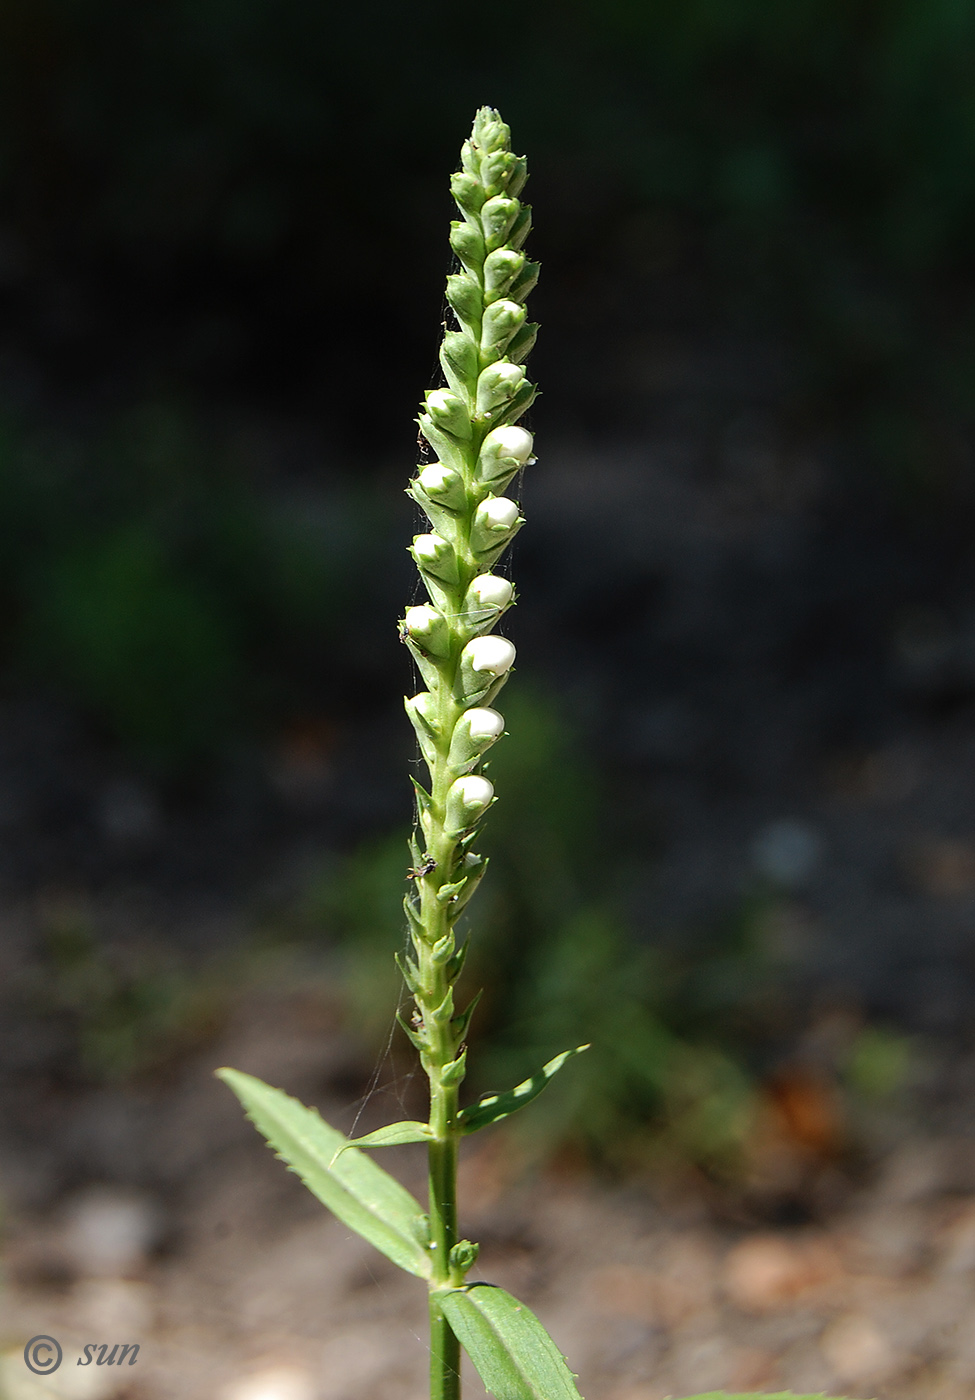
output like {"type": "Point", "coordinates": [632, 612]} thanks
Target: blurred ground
{"type": "Point", "coordinates": [175, 1228]}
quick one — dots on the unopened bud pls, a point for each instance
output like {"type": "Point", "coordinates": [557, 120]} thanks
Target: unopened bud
{"type": "Point", "coordinates": [501, 320]}
{"type": "Point", "coordinates": [467, 243]}
{"type": "Point", "coordinates": [497, 217]}
{"type": "Point", "coordinates": [463, 1256]}
{"type": "Point", "coordinates": [474, 733]}
{"type": "Point", "coordinates": [511, 442]}
{"type": "Point", "coordinates": [435, 556]}
{"type": "Point", "coordinates": [495, 521]}
{"type": "Point", "coordinates": [489, 591]}
{"type": "Point", "coordinates": [443, 485]}
{"type": "Point", "coordinates": [487, 657]}
{"type": "Point", "coordinates": [428, 629]}
{"type": "Point", "coordinates": [467, 191]}
{"type": "Point", "coordinates": [467, 801]}
{"type": "Point", "coordinates": [448, 413]}
{"type": "Point", "coordinates": [498, 385]}
{"type": "Point", "coordinates": [500, 269]}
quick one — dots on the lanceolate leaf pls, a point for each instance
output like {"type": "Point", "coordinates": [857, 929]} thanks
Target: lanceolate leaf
{"type": "Point", "coordinates": [363, 1196]}
{"type": "Point", "coordinates": [514, 1355]}
{"type": "Point", "coordinates": [395, 1135]}
{"type": "Point", "coordinates": [491, 1107]}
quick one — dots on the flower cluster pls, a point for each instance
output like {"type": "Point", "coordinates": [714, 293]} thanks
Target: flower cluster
{"type": "Point", "coordinates": [471, 425]}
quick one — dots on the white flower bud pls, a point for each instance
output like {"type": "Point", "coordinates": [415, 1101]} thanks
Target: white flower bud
{"type": "Point", "coordinates": [474, 732]}
{"type": "Point", "coordinates": [501, 320]}
{"type": "Point", "coordinates": [435, 556]}
{"type": "Point", "coordinates": [498, 384]}
{"type": "Point", "coordinates": [467, 801]}
{"type": "Point", "coordinates": [442, 484]}
{"type": "Point", "coordinates": [495, 520]}
{"type": "Point", "coordinates": [508, 441]}
{"type": "Point", "coordinates": [428, 628]}
{"type": "Point", "coordinates": [489, 591]}
{"type": "Point", "coordinates": [448, 413]}
{"type": "Point", "coordinates": [488, 656]}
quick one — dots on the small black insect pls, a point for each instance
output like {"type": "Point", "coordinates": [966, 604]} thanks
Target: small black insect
{"type": "Point", "coordinates": [426, 868]}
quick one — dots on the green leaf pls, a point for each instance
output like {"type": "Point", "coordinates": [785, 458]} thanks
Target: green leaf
{"type": "Point", "coordinates": [492, 1107]}
{"type": "Point", "coordinates": [514, 1355]}
{"type": "Point", "coordinates": [395, 1135]}
{"type": "Point", "coordinates": [363, 1196]}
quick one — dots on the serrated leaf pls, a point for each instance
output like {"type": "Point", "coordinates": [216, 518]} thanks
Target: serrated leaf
{"type": "Point", "coordinates": [357, 1190]}
{"type": "Point", "coordinates": [395, 1135]}
{"type": "Point", "coordinates": [490, 1108]}
{"type": "Point", "coordinates": [514, 1355]}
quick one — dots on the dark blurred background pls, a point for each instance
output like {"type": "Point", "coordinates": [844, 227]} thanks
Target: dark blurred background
{"type": "Point", "coordinates": [736, 839]}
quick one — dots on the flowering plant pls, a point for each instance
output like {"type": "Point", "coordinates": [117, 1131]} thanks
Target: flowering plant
{"type": "Point", "coordinates": [471, 424]}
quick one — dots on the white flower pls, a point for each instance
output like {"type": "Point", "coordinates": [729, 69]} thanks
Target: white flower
{"type": "Point", "coordinates": [490, 591]}
{"type": "Point", "coordinates": [467, 801]}
{"type": "Point", "coordinates": [496, 513]}
{"type": "Point", "coordinates": [508, 441]}
{"type": "Point", "coordinates": [484, 724]}
{"type": "Point", "coordinates": [438, 480]}
{"type": "Point", "coordinates": [489, 656]}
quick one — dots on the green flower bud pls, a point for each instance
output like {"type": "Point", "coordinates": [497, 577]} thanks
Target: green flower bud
{"type": "Point", "coordinates": [467, 191]}
{"type": "Point", "coordinates": [459, 359]}
{"type": "Point", "coordinates": [464, 295]}
{"type": "Point", "coordinates": [448, 413]}
{"type": "Point", "coordinates": [500, 269]}
{"type": "Point", "coordinates": [498, 385]}
{"type": "Point", "coordinates": [490, 132]}
{"type": "Point", "coordinates": [467, 801]}
{"type": "Point", "coordinates": [501, 320]}
{"type": "Point", "coordinates": [434, 556]}
{"type": "Point", "coordinates": [443, 485]}
{"type": "Point", "coordinates": [428, 629]}
{"type": "Point", "coordinates": [498, 216]}
{"type": "Point", "coordinates": [496, 171]}
{"type": "Point", "coordinates": [473, 735]}
{"type": "Point", "coordinates": [468, 244]}
{"type": "Point", "coordinates": [496, 521]}
{"type": "Point", "coordinates": [422, 710]}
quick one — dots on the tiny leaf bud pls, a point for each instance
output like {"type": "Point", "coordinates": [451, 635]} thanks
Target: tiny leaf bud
{"type": "Point", "coordinates": [467, 801]}
{"type": "Point", "coordinates": [428, 629]}
{"type": "Point", "coordinates": [449, 413]}
{"type": "Point", "coordinates": [435, 557]}
{"type": "Point", "coordinates": [463, 1256]}
{"type": "Point", "coordinates": [501, 320]}
{"type": "Point", "coordinates": [498, 384]}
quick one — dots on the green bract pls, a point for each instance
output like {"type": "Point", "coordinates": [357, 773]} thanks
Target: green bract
{"type": "Point", "coordinates": [468, 496]}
